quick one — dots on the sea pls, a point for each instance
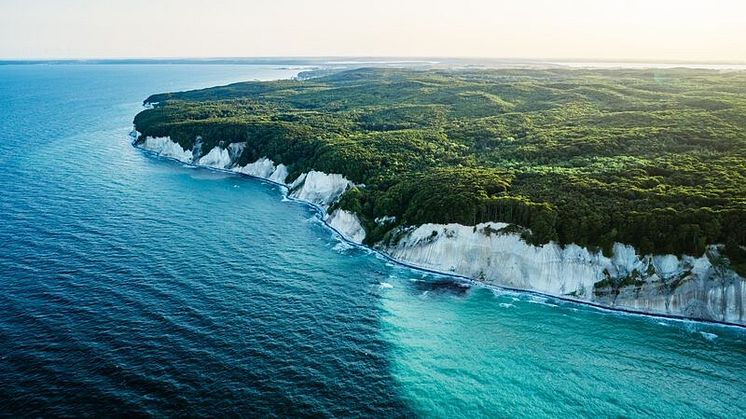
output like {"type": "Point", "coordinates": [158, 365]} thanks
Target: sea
{"type": "Point", "coordinates": [136, 286]}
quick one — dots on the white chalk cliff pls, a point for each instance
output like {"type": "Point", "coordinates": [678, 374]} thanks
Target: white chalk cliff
{"type": "Point", "coordinates": [493, 253]}
{"type": "Point", "coordinates": [687, 286]}
{"type": "Point", "coordinates": [347, 224]}
{"type": "Point", "coordinates": [163, 146]}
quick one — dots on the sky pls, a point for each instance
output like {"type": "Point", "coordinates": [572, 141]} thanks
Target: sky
{"type": "Point", "coordinates": [644, 30]}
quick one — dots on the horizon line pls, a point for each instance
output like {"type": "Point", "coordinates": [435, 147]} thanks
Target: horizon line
{"type": "Point", "coordinates": [404, 59]}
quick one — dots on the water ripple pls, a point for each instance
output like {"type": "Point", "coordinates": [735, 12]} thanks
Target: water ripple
{"type": "Point", "coordinates": [133, 286]}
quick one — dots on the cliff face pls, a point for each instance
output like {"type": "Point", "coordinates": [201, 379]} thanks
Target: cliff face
{"type": "Point", "coordinates": [494, 253]}
{"type": "Point", "coordinates": [163, 146]}
{"type": "Point", "coordinates": [316, 187]}
{"type": "Point", "coordinates": [691, 287]}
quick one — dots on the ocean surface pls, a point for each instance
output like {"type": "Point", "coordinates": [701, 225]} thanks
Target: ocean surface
{"type": "Point", "coordinates": [132, 286]}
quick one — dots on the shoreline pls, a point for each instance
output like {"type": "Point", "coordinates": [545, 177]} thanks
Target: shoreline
{"type": "Point", "coordinates": [463, 278]}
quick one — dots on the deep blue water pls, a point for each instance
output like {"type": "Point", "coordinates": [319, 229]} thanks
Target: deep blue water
{"type": "Point", "coordinates": [132, 285]}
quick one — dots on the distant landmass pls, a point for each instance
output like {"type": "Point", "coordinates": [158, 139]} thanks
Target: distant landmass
{"type": "Point", "coordinates": [353, 62]}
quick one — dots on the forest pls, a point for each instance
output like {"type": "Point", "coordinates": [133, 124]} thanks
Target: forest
{"type": "Point", "coordinates": [652, 158]}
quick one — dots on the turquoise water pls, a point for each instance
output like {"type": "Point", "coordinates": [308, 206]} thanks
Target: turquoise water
{"type": "Point", "coordinates": [132, 285]}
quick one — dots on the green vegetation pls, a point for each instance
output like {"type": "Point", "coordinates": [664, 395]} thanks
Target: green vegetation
{"type": "Point", "coordinates": [613, 285]}
{"type": "Point", "coordinates": [653, 158]}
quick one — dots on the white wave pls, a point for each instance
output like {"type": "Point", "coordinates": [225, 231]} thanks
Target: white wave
{"type": "Point", "coordinates": [541, 300]}
{"type": "Point", "coordinates": [709, 336]}
{"type": "Point", "coordinates": [501, 292]}
{"type": "Point", "coordinates": [342, 247]}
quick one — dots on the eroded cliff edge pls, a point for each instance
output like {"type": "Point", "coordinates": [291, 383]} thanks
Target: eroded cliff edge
{"type": "Point", "coordinates": [701, 287]}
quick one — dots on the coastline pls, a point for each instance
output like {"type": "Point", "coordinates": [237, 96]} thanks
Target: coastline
{"type": "Point", "coordinates": [321, 213]}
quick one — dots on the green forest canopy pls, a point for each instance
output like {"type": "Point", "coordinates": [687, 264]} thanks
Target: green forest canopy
{"type": "Point", "coordinates": [653, 158]}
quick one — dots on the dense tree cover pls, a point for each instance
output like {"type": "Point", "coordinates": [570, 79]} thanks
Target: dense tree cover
{"type": "Point", "coordinates": [653, 158]}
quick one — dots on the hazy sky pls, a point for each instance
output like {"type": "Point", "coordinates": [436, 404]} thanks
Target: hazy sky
{"type": "Point", "coordinates": [592, 29]}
